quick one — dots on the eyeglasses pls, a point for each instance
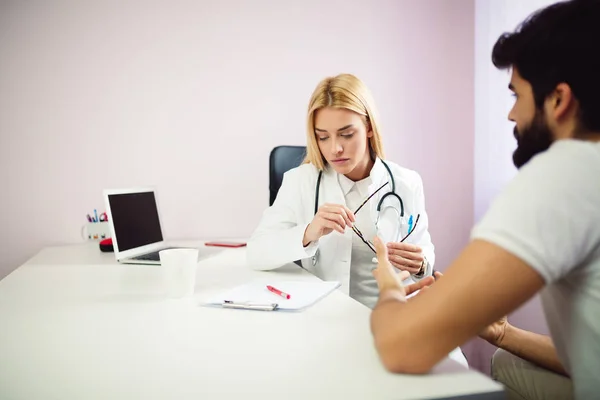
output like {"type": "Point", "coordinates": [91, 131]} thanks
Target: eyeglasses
{"type": "Point", "coordinates": [360, 234]}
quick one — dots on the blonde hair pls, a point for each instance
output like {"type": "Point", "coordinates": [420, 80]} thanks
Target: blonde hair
{"type": "Point", "coordinates": [342, 91]}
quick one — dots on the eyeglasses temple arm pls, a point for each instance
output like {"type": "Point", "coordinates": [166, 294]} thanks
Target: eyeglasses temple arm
{"type": "Point", "coordinates": [370, 196]}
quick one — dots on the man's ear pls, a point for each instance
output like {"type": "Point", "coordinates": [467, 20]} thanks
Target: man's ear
{"type": "Point", "coordinates": [562, 100]}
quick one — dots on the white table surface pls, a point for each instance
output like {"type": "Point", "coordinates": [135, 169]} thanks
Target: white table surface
{"type": "Point", "coordinates": [76, 325]}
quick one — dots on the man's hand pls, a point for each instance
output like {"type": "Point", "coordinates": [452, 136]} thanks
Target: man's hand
{"type": "Point", "coordinates": [494, 333]}
{"type": "Point", "coordinates": [423, 284]}
{"type": "Point", "coordinates": [386, 276]}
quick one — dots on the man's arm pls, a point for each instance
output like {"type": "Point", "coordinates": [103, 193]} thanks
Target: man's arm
{"type": "Point", "coordinates": [533, 347]}
{"type": "Point", "coordinates": [485, 283]}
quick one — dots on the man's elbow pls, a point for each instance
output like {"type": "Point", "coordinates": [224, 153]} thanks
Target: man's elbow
{"type": "Point", "coordinates": [402, 365]}
{"type": "Point", "coordinates": [404, 358]}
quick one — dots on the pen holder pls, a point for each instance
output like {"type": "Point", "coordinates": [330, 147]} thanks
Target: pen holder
{"type": "Point", "coordinates": [95, 231]}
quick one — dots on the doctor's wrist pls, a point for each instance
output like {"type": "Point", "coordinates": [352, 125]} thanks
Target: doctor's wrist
{"type": "Point", "coordinates": [306, 240]}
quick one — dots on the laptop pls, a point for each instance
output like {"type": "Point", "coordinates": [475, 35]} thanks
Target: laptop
{"type": "Point", "coordinates": [135, 225]}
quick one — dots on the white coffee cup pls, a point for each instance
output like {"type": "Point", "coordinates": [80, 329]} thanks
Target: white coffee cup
{"type": "Point", "coordinates": [95, 231]}
{"type": "Point", "coordinates": [179, 266]}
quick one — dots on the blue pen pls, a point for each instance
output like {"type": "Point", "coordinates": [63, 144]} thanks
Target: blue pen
{"type": "Point", "coordinates": [410, 223]}
{"type": "Point", "coordinates": [96, 215]}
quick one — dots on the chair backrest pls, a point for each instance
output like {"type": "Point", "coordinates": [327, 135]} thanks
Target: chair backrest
{"type": "Point", "coordinates": [282, 159]}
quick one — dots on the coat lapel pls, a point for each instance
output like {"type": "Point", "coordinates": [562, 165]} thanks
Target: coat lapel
{"type": "Point", "coordinates": [331, 192]}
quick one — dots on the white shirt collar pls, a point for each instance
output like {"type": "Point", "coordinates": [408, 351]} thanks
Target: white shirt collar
{"type": "Point", "coordinates": [377, 172]}
{"type": "Point", "coordinates": [346, 184]}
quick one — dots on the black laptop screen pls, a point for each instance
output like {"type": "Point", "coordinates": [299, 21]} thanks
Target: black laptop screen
{"type": "Point", "coordinates": [135, 219]}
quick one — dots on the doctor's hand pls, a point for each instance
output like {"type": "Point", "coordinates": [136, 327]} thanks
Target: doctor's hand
{"type": "Point", "coordinates": [388, 277]}
{"type": "Point", "coordinates": [406, 256]}
{"type": "Point", "coordinates": [329, 218]}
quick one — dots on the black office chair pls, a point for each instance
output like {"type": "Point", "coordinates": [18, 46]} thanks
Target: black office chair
{"type": "Point", "coordinates": [282, 159]}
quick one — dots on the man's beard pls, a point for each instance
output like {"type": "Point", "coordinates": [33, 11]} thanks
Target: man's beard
{"type": "Point", "coordinates": [533, 139]}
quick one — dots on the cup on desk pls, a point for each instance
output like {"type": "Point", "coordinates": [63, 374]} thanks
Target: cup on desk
{"type": "Point", "coordinates": [179, 266]}
{"type": "Point", "coordinates": [95, 231]}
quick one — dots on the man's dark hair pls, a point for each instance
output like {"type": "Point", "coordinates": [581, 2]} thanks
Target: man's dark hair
{"type": "Point", "coordinates": [558, 44]}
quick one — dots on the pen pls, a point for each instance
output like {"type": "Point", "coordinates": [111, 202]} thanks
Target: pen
{"type": "Point", "coordinates": [278, 292]}
{"type": "Point", "coordinates": [410, 223]}
{"type": "Point", "coordinates": [89, 218]}
{"type": "Point", "coordinates": [95, 215]}
{"type": "Point", "coordinates": [412, 230]}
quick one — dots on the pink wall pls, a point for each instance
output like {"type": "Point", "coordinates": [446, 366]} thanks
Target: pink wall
{"type": "Point", "coordinates": [191, 96]}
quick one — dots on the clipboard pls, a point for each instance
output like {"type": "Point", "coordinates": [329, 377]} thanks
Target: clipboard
{"type": "Point", "coordinates": [250, 306]}
{"type": "Point", "coordinates": [256, 296]}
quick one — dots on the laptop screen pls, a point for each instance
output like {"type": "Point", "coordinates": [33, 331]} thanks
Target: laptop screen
{"type": "Point", "coordinates": [135, 219]}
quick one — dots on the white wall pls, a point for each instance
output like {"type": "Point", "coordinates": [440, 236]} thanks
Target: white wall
{"type": "Point", "coordinates": [191, 96]}
{"type": "Point", "coordinates": [494, 140]}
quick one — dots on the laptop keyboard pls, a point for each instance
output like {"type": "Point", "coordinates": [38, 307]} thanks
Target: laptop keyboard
{"type": "Point", "coordinates": [154, 256]}
{"type": "Point", "coordinates": [148, 257]}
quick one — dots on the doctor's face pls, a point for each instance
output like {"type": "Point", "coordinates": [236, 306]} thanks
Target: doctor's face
{"type": "Point", "coordinates": [531, 131]}
{"type": "Point", "coordinates": [343, 140]}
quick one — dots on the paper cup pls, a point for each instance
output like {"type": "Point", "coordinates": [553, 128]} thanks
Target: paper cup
{"type": "Point", "coordinates": [179, 266]}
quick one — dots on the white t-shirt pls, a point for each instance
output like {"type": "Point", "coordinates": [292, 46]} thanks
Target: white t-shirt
{"type": "Point", "coordinates": [549, 216]}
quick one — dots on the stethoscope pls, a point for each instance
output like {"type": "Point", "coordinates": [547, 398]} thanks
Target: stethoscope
{"type": "Point", "coordinates": [391, 194]}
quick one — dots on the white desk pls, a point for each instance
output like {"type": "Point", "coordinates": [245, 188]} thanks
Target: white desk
{"type": "Point", "coordinates": [76, 325]}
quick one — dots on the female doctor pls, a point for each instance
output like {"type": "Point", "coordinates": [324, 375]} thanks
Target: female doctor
{"type": "Point", "coordinates": [329, 209]}
{"type": "Point", "coordinates": [319, 216]}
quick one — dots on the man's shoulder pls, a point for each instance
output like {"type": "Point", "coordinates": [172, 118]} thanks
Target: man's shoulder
{"type": "Point", "coordinates": [568, 155]}
{"type": "Point", "coordinates": [548, 214]}
{"type": "Point", "coordinates": [567, 166]}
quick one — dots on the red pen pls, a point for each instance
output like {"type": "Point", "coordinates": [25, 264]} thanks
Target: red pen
{"type": "Point", "coordinates": [278, 292]}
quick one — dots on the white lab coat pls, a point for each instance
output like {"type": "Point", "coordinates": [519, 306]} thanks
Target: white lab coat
{"type": "Point", "coordinates": [278, 238]}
